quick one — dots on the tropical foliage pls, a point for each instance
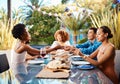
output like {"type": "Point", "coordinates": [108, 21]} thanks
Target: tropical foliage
{"type": "Point", "coordinates": [28, 9]}
{"type": "Point", "coordinates": [110, 18]}
{"type": "Point", "coordinates": [76, 22]}
{"type": "Point", "coordinates": [6, 38]}
{"type": "Point", "coordinates": [43, 25]}
{"type": "Point", "coordinates": [94, 5]}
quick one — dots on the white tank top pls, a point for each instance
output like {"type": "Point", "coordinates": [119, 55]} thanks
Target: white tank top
{"type": "Point", "coordinates": [18, 63]}
{"type": "Point", "coordinates": [18, 57]}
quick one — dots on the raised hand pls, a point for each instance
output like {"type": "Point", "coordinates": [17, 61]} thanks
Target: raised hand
{"type": "Point", "coordinates": [67, 48]}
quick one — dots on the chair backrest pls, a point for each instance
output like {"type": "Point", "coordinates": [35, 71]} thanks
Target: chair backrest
{"type": "Point", "coordinates": [4, 65]}
{"type": "Point", "coordinates": [117, 63]}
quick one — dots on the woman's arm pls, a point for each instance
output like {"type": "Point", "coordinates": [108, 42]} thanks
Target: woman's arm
{"type": "Point", "coordinates": [77, 51]}
{"type": "Point", "coordinates": [94, 54]}
{"type": "Point", "coordinates": [54, 48]}
{"type": "Point", "coordinates": [110, 51]}
{"type": "Point", "coordinates": [31, 51]}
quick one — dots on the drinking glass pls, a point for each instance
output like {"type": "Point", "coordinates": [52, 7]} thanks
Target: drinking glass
{"type": "Point", "coordinates": [43, 52]}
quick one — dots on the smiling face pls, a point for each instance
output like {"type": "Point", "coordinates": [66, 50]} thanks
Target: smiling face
{"type": "Point", "coordinates": [91, 35]}
{"type": "Point", "coordinates": [59, 38]}
{"type": "Point", "coordinates": [101, 36]}
{"type": "Point", "coordinates": [26, 36]}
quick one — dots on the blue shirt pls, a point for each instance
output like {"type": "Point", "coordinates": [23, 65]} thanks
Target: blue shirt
{"type": "Point", "coordinates": [88, 47]}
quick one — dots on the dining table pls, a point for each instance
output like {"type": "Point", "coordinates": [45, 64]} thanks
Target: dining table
{"type": "Point", "coordinates": [77, 76]}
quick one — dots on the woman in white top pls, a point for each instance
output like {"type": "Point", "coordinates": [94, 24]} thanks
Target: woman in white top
{"type": "Point", "coordinates": [21, 48]}
{"type": "Point", "coordinates": [62, 39]}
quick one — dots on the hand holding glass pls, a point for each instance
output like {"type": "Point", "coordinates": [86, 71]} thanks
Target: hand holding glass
{"type": "Point", "coordinates": [43, 52]}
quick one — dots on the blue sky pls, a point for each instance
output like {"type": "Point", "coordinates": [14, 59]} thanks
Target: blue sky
{"type": "Point", "coordinates": [16, 3]}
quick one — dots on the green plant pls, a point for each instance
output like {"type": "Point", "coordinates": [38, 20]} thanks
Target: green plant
{"type": "Point", "coordinates": [110, 18]}
{"type": "Point", "coordinates": [6, 39]}
{"type": "Point", "coordinates": [75, 22]}
{"type": "Point", "coordinates": [95, 5]}
{"type": "Point", "coordinates": [43, 25]}
{"type": "Point", "coordinates": [82, 41]}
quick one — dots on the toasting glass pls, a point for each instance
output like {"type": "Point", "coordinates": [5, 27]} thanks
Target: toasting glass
{"type": "Point", "coordinates": [43, 52]}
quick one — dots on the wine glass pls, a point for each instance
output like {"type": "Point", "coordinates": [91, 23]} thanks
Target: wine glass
{"type": "Point", "coordinates": [43, 52]}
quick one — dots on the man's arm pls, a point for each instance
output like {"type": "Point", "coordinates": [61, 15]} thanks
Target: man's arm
{"type": "Point", "coordinates": [90, 49]}
{"type": "Point", "coordinates": [83, 45]}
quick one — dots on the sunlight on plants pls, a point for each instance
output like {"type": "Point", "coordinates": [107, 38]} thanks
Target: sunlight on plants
{"type": "Point", "coordinates": [6, 39]}
{"type": "Point", "coordinates": [75, 20]}
{"type": "Point", "coordinates": [111, 19]}
{"type": "Point", "coordinates": [95, 5]}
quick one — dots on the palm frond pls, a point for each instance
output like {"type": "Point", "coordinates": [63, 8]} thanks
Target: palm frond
{"type": "Point", "coordinates": [110, 19]}
{"type": "Point", "coordinates": [74, 23]}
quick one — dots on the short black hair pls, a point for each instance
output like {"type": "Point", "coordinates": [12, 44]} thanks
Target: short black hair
{"type": "Point", "coordinates": [94, 29]}
{"type": "Point", "coordinates": [18, 30]}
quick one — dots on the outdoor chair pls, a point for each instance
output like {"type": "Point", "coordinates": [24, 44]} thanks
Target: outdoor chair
{"type": "Point", "coordinates": [4, 65]}
{"type": "Point", "coordinates": [117, 63]}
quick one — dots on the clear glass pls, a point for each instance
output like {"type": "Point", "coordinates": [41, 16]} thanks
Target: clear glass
{"type": "Point", "coordinates": [42, 52]}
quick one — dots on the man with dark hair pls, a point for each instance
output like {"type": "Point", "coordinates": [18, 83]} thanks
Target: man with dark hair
{"type": "Point", "coordinates": [92, 44]}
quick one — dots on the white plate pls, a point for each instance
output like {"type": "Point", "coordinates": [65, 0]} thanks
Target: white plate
{"type": "Point", "coordinates": [87, 67]}
{"type": "Point", "coordinates": [46, 56]}
{"type": "Point", "coordinates": [35, 61]}
{"type": "Point", "coordinates": [80, 62]}
{"type": "Point", "coordinates": [77, 59]}
{"type": "Point", "coordinates": [75, 56]}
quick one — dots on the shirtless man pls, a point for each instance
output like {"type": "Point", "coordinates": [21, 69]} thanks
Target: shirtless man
{"type": "Point", "coordinates": [105, 54]}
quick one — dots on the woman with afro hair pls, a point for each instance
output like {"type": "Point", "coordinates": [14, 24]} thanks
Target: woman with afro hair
{"type": "Point", "coordinates": [22, 47]}
{"type": "Point", "coordinates": [61, 38]}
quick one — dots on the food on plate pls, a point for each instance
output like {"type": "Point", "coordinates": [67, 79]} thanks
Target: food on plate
{"type": "Point", "coordinates": [57, 64]}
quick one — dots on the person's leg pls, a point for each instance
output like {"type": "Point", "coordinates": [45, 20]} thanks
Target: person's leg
{"type": "Point", "coordinates": [22, 78]}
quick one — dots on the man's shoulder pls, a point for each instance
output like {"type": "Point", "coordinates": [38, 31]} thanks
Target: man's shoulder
{"type": "Point", "coordinates": [97, 42]}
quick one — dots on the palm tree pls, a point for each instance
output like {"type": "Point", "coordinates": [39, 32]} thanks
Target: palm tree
{"type": "Point", "coordinates": [74, 23]}
{"type": "Point", "coordinates": [9, 10]}
{"type": "Point", "coordinates": [30, 6]}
